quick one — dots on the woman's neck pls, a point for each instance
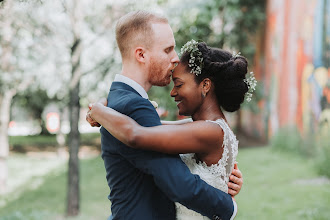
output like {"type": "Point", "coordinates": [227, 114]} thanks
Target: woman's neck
{"type": "Point", "coordinates": [208, 111]}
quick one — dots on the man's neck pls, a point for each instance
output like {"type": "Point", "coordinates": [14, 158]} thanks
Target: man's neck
{"type": "Point", "coordinates": [138, 76]}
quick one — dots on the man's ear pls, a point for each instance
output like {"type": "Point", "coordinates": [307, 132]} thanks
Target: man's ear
{"type": "Point", "coordinates": [140, 54]}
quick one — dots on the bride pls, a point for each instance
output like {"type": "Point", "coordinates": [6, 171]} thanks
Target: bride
{"type": "Point", "coordinates": [206, 82]}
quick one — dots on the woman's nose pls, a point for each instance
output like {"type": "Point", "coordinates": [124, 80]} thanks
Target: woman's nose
{"type": "Point", "coordinates": [173, 92]}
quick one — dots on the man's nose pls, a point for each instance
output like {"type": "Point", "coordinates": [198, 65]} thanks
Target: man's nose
{"type": "Point", "coordinates": [175, 59]}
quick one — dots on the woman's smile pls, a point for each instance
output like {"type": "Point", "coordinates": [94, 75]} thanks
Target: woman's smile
{"type": "Point", "coordinates": [178, 102]}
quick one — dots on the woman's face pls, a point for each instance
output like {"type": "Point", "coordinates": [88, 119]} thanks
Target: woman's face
{"type": "Point", "coordinates": [186, 92]}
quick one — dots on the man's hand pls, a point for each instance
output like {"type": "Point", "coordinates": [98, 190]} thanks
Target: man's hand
{"type": "Point", "coordinates": [89, 119]}
{"type": "Point", "coordinates": [235, 181]}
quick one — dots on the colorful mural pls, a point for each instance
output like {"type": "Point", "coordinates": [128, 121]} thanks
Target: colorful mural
{"type": "Point", "coordinates": [294, 66]}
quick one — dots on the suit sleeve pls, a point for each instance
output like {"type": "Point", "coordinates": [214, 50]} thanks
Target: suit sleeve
{"type": "Point", "coordinates": [170, 174]}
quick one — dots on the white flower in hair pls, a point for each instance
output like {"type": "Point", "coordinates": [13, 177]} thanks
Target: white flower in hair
{"type": "Point", "coordinates": [251, 82]}
{"type": "Point", "coordinates": [191, 47]}
{"type": "Point", "coordinates": [235, 55]}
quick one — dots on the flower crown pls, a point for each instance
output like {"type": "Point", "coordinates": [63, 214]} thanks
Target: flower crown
{"type": "Point", "coordinates": [191, 47]}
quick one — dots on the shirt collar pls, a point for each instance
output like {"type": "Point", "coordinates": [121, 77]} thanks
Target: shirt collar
{"type": "Point", "coordinates": [136, 86]}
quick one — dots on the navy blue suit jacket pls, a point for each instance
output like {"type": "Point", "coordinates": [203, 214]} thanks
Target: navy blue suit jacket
{"type": "Point", "coordinates": [145, 184]}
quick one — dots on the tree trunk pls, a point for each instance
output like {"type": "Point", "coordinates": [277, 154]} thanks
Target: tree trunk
{"type": "Point", "coordinates": [60, 137]}
{"type": "Point", "coordinates": [239, 126]}
{"type": "Point", "coordinates": [5, 95]}
{"type": "Point", "coordinates": [42, 123]}
{"type": "Point", "coordinates": [74, 135]}
{"type": "Point", "coordinates": [74, 143]}
{"type": "Point", "coordinates": [74, 108]}
{"type": "Point", "coordinates": [5, 102]}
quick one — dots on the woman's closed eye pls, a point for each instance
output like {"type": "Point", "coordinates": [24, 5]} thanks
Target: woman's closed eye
{"type": "Point", "coordinates": [178, 86]}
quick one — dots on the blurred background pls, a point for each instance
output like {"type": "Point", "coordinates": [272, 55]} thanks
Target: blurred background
{"type": "Point", "coordinates": [58, 56]}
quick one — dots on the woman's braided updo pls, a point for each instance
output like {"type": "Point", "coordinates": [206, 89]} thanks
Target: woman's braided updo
{"type": "Point", "coordinates": [227, 73]}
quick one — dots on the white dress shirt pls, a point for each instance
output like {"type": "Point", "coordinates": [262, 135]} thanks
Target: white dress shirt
{"type": "Point", "coordinates": [136, 86]}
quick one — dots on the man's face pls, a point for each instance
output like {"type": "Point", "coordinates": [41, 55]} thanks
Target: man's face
{"type": "Point", "coordinates": [163, 57]}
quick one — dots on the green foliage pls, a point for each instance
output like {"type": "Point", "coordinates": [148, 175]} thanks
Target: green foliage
{"type": "Point", "coordinates": [322, 161]}
{"type": "Point", "coordinates": [228, 23]}
{"type": "Point", "coordinates": [33, 100]}
{"type": "Point", "coordinates": [162, 96]}
{"type": "Point", "coordinates": [249, 18]}
{"type": "Point", "coordinates": [316, 147]}
{"type": "Point", "coordinates": [289, 139]}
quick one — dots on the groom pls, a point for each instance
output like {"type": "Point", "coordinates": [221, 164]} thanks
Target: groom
{"type": "Point", "coordinates": [144, 184]}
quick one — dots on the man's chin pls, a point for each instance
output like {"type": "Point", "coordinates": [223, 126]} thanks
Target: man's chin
{"type": "Point", "coordinates": [163, 83]}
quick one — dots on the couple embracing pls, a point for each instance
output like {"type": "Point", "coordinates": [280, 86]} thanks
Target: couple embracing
{"type": "Point", "coordinates": [170, 170]}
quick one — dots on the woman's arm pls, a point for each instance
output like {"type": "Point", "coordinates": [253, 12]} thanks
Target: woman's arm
{"type": "Point", "coordinates": [104, 102]}
{"type": "Point", "coordinates": [195, 137]}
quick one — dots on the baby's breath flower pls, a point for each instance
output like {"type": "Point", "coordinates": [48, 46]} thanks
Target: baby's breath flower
{"type": "Point", "coordinates": [192, 48]}
{"type": "Point", "coordinates": [251, 82]}
{"type": "Point", "coordinates": [235, 55]}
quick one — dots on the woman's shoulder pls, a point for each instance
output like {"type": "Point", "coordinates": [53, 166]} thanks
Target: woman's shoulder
{"type": "Point", "coordinates": [210, 133]}
{"type": "Point", "coordinates": [210, 126]}
{"type": "Point", "coordinates": [223, 124]}
{"type": "Point", "coordinates": [229, 137]}
{"type": "Point", "coordinates": [205, 126]}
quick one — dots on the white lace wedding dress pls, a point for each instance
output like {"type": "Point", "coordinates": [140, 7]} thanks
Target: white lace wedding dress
{"type": "Point", "coordinates": [217, 175]}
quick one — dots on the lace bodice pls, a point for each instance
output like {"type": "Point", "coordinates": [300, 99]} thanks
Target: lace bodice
{"type": "Point", "coordinates": [217, 175]}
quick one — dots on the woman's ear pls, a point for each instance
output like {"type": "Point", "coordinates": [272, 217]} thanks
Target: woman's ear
{"type": "Point", "coordinates": [206, 85]}
{"type": "Point", "coordinates": [140, 54]}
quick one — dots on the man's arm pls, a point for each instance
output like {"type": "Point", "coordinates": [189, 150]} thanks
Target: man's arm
{"type": "Point", "coordinates": [171, 175]}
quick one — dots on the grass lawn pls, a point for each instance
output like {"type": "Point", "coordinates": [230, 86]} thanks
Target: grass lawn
{"type": "Point", "coordinates": [281, 186]}
{"type": "Point", "coordinates": [276, 186]}
{"type": "Point", "coordinates": [48, 201]}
